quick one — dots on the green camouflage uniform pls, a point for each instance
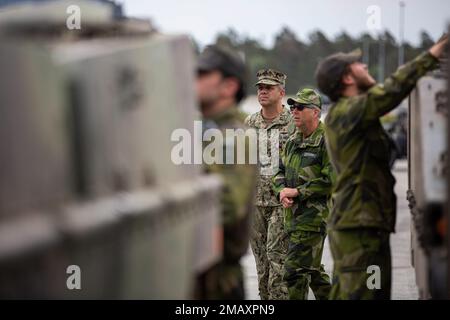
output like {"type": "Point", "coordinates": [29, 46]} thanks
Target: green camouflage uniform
{"type": "Point", "coordinates": [305, 166]}
{"type": "Point", "coordinates": [268, 238]}
{"type": "Point", "coordinates": [364, 209]}
{"type": "Point", "coordinates": [225, 280]}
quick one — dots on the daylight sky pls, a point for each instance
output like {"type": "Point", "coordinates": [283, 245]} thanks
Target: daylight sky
{"type": "Point", "coordinates": [262, 19]}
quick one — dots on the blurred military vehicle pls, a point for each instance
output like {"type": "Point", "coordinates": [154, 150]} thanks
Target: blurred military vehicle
{"type": "Point", "coordinates": [429, 177]}
{"type": "Point", "coordinates": [87, 183]}
{"type": "Point", "coordinates": [395, 123]}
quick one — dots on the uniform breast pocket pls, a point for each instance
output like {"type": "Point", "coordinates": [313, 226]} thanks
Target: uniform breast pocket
{"type": "Point", "coordinates": [284, 136]}
{"type": "Point", "coordinates": [309, 158]}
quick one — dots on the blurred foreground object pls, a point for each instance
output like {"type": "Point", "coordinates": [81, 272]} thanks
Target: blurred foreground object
{"type": "Point", "coordinates": [429, 176]}
{"type": "Point", "coordinates": [87, 176]}
{"type": "Point", "coordinates": [221, 84]}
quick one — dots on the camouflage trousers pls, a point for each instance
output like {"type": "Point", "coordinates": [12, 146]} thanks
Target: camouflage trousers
{"type": "Point", "coordinates": [356, 253]}
{"type": "Point", "coordinates": [303, 268]}
{"type": "Point", "coordinates": [269, 245]}
{"type": "Point", "coordinates": [223, 281]}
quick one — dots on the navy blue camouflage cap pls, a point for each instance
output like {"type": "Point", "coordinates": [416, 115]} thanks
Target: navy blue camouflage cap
{"type": "Point", "coordinates": [271, 77]}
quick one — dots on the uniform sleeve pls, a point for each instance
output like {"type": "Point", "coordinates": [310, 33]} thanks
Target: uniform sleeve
{"type": "Point", "coordinates": [237, 206]}
{"type": "Point", "coordinates": [279, 179]}
{"type": "Point", "coordinates": [382, 98]}
{"type": "Point", "coordinates": [247, 120]}
{"type": "Point", "coordinates": [321, 185]}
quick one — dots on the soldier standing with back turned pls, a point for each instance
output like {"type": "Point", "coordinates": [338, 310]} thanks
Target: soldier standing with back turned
{"type": "Point", "coordinates": [364, 209]}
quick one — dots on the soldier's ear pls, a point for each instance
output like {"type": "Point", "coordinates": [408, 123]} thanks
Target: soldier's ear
{"type": "Point", "coordinates": [347, 78]}
{"type": "Point", "coordinates": [231, 86]}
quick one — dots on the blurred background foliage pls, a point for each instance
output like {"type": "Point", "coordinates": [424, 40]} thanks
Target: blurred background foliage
{"type": "Point", "coordinates": [298, 59]}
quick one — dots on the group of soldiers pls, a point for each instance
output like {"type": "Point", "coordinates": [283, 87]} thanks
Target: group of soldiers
{"type": "Point", "coordinates": [333, 178]}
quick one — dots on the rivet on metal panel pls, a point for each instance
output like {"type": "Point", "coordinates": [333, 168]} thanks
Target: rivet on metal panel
{"type": "Point", "coordinates": [119, 182]}
{"type": "Point", "coordinates": [443, 163]}
{"type": "Point", "coordinates": [130, 88]}
{"type": "Point", "coordinates": [149, 177]}
{"type": "Point", "coordinates": [440, 168]}
{"type": "Point", "coordinates": [441, 102]}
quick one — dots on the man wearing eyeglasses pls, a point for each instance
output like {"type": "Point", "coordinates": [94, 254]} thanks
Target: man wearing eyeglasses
{"type": "Point", "coordinates": [303, 186]}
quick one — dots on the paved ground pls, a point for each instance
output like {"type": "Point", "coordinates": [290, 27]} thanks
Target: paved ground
{"type": "Point", "coordinates": [403, 286]}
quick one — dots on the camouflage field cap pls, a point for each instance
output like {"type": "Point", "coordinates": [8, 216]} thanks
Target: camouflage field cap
{"type": "Point", "coordinates": [271, 77]}
{"type": "Point", "coordinates": [329, 72]}
{"type": "Point", "coordinates": [308, 97]}
{"type": "Point", "coordinates": [224, 60]}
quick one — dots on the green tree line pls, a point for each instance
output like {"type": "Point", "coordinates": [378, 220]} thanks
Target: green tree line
{"type": "Point", "coordinates": [298, 59]}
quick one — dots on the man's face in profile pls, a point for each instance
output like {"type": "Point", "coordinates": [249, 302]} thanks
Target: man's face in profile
{"type": "Point", "coordinates": [208, 87]}
{"type": "Point", "coordinates": [363, 80]}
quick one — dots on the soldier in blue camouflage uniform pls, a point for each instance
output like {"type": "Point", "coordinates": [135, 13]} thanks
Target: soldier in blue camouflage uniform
{"type": "Point", "coordinates": [364, 204]}
{"type": "Point", "coordinates": [303, 185]}
{"type": "Point", "coordinates": [220, 86]}
{"type": "Point", "coordinates": [268, 238]}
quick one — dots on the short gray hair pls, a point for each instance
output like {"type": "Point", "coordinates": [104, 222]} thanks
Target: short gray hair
{"type": "Point", "coordinates": [320, 111]}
